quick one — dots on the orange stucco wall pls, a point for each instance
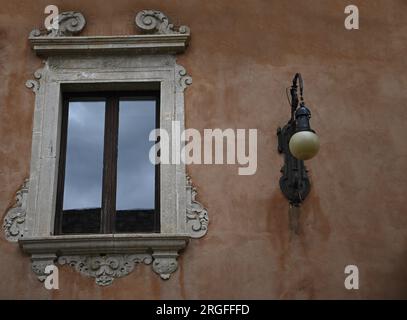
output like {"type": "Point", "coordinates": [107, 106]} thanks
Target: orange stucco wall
{"type": "Point", "coordinates": [242, 57]}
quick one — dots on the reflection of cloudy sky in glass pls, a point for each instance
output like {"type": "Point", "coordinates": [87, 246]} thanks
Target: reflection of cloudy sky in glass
{"type": "Point", "coordinates": [84, 155]}
{"type": "Point", "coordinates": [135, 172]}
{"type": "Point", "coordinates": [84, 158]}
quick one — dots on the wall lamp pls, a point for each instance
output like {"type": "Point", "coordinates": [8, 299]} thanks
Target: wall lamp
{"type": "Point", "coordinates": [298, 142]}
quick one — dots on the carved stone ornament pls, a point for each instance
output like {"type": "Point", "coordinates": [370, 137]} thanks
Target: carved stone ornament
{"type": "Point", "coordinates": [14, 221]}
{"type": "Point", "coordinates": [69, 24]}
{"type": "Point", "coordinates": [197, 215]}
{"type": "Point", "coordinates": [165, 263]}
{"type": "Point", "coordinates": [183, 79]}
{"type": "Point", "coordinates": [40, 262]}
{"type": "Point", "coordinates": [34, 84]}
{"type": "Point", "coordinates": [153, 21]}
{"type": "Point", "coordinates": [82, 61]}
{"type": "Point", "coordinates": [105, 268]}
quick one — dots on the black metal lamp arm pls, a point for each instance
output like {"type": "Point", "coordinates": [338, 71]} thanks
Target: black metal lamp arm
{"type": "Point", "coordinates": [294, 94]}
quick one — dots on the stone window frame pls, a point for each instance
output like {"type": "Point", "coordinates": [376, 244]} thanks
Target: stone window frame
{"type": "Point", "coordinates": [104, 62]}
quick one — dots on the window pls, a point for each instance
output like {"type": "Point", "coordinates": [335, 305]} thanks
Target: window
{"type": "Point", "coordinates": [106, 182]}
{"type": "Point", "coordinates": [93, 199]}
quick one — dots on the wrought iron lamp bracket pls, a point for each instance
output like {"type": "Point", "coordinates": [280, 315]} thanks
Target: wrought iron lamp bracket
{"type": "Point", "coordinates": [294, 182]}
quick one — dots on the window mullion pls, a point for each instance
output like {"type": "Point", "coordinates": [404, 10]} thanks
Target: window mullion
{"type": "Point", "coordinates": [110, 165]}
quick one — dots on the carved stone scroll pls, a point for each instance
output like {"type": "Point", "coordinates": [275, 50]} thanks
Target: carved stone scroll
{"type": "Point", "coordinates": [14, 220]}
{"type": "Point", "coordinates": [182, 78]}
{"type": "Point", "coordinates": [153, 21]}
{"type": "Point", "coordinates": [197, 215]}
{"type": "Point", "coordinates": [69, 23]}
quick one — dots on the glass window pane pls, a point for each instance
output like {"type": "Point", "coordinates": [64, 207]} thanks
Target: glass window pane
{"type": "Point", "coordinates": [84, 155]}
{"type": "Point", "coordinates": [135, 172]}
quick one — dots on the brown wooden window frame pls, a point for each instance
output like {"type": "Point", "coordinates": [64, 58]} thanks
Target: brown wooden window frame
{"type": "Point", "coordinates": [107, 223]}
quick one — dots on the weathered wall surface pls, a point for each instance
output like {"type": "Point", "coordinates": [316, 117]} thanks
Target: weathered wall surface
{"type": "Point", "coordinates": [242, 57]}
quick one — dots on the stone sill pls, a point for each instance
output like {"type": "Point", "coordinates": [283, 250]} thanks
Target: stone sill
{"type": "Point", "coordinates": [103, 244]}
{"type": "Point", "coordinates": [156, 43]}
